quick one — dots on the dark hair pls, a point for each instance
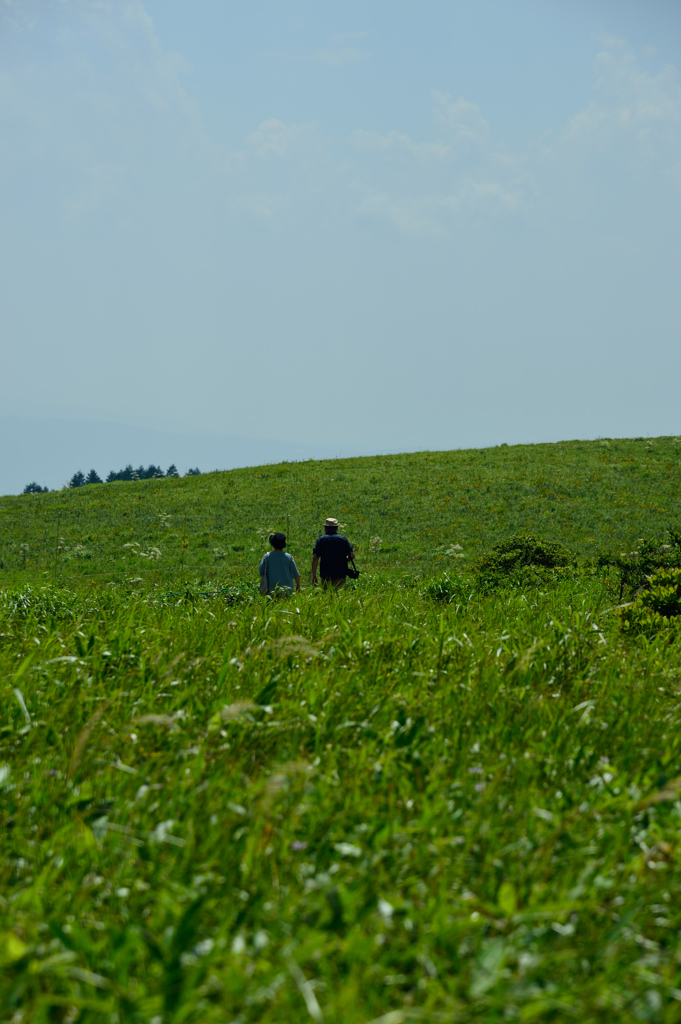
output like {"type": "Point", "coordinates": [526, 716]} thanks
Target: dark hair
{"type": "Point", "coordinates": [278, 540]}
{"type": "Point", "coordinates": [330, 529]}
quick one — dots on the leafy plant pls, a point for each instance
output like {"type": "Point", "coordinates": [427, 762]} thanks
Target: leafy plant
{"type": "Point", "coordinates": [635, 569]}
{"type": "Point", "coordinates": [657, 607]}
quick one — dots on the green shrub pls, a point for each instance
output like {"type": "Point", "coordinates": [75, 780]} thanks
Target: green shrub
{"type": "Point", "coordinates": [520, 563]}
{"type": "Point", "coordinates": [658, 607]}
{"type": "Point", "coordinates": [636, 568]}
{"type": "Point", "coordinates": [522, 550]}
{"type": "Point", "coordinates": [527, 577]}
{"type": "Point", "coordinates": [523, 560]}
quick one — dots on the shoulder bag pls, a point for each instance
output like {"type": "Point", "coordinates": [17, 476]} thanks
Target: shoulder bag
{"type": "Point", "coordinates": [353, 574]}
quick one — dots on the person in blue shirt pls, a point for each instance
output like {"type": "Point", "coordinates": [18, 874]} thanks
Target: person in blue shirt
{"type": "Point", "coordinates": [334, 551]}
{"type": "Point", "coordinates": [278, 568]}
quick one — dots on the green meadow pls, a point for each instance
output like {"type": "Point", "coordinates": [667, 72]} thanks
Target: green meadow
{"type": "Point", "coordinates": [433, 797]}
{"type": "Point", "coordinates": [592, 495]}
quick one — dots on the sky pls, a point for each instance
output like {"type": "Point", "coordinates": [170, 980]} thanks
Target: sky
{"type": "Point", "coordinates": [336, 227]}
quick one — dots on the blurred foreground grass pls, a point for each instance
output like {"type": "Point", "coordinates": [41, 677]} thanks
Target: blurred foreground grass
{"type": "Point", "coordinates": [341, 809]}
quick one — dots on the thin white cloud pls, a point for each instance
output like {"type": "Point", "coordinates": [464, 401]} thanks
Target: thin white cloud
{"type": "Point", "coordinates": [633, 121]}
{"type": "Point", "coordinates": [413, 217]}
{"type": "Point", "coordinates": [397, 143]}
{"type": "Point", "coordinates": [437, 214]}
{"type": "Point", "coordinates": [461, 119]}
{"type": "Point", "coordinates": [344, 37]}
{"type": "Point", "coordinates": [343, 55]}
{"type": "Point", "coordinates": [150, 245]}
{"type": "Point", "coordinates": [629, 103]}
{"type": "Point", "coordinates": [19, 16]}
{"type": "Point", "coordinates": [260, 206]}
{"type": "Point", "coordinates": [423, 187]}
{"type": "Point", "coordinates": [283, 170]}
{"type": "Point", "coordinates": [98, 132]}
{"type": "Point", "coordinates": [273, 137]}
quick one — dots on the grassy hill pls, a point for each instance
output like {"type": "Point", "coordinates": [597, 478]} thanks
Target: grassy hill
{"type": "Point", "coordinates": [594, 496]}
{"type": "Point", "coordinates": [367, 807]}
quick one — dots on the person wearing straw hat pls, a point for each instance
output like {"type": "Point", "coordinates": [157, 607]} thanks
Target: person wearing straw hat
{"type": "Point", "coordinates": [334, 551]}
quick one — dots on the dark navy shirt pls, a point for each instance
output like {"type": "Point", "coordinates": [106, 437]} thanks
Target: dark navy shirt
{"type": "Point", "coordinates": [333, 550]}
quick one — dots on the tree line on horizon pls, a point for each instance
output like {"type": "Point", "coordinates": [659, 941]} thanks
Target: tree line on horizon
{"type": "Point", "coordinates": [79, 479]}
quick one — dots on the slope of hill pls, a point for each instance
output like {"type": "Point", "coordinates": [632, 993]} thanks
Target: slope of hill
{"type": "Point", "coordinates": [403, 510]}
{"type": "Point", "coordinates": [372, 806]}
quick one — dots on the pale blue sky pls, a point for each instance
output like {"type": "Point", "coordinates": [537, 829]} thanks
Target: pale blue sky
{"type": "Point", "coordinates": [372, 226]}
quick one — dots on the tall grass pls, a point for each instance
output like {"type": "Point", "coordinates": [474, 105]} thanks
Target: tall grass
{"type": "Point", "coordinates": [421, 512]}
{"type": "Point", "coordinates": [336, 807]}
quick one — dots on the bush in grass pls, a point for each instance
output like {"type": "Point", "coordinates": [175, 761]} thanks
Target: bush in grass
{"type": "Point", "coordinates": [35, 488]}
{"type": "Point", "coordinates": [523, 550]}
{"type": "Point", "coordinates": [657, 607]}
{"type": "Point", "coordinates": [524, 560]}
{"type": "Point", "coordinates": [636, 568]}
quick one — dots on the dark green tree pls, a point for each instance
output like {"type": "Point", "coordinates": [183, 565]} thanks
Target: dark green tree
{"type": "Point", "coordinates": [93, 477]}
{"type": "Point", "coordinates": [77, 480]}
{"type": "Point", "coordinates": [150, 473]}
{"type": "Point", "coordinates": [122, 474]}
